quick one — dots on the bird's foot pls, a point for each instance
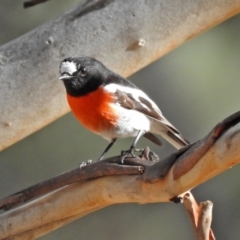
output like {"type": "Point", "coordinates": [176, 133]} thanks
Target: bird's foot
{"type": "Point", "coordinates": [83, 164]}
{"type": "Point", "coordinates": [149, 155]}
{"type": "Point", "coordinates": [129, 153]}
{"type": "Point", "coordinates": [138, 150]}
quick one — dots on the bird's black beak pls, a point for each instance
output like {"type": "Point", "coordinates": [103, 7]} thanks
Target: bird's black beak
{"type": "Point", "coordinates": [65, 77]}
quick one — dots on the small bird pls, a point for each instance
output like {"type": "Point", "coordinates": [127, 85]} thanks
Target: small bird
{"type": "Point", "coordinates": [113, 107]}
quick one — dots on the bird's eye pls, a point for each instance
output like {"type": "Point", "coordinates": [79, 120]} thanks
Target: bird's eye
{"type": "Point", "coordinates": [83, 72]}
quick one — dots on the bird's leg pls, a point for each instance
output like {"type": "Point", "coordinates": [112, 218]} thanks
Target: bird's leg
{"type": "Point", "coordinates": [130, 151]}
{"type": "Point", "coordinates": [83, 164]}
{"type": "Point", "coordinates": [107, 148]}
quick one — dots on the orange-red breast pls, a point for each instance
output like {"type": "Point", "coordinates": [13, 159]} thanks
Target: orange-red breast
{"type": "Point", "coordinates": [111, 106]}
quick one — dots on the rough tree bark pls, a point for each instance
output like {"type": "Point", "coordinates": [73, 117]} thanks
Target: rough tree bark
{"type": "Point", "coordinates": [125, 35]}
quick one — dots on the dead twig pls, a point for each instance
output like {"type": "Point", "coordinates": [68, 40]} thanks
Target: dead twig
{"type": "Point", "coordinates": [200, 216]}
{"type": "Point", "coordinates": [204, 231]}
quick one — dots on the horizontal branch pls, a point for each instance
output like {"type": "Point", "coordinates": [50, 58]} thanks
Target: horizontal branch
{"type": "Point", "coordinates": [76, 200]}
{"type": "Point", "coordinates": [124, 35]}
{"type": "Point", "coordinates": [107, 167]}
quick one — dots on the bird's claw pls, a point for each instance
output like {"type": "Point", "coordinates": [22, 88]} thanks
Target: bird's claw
{"type": "Point", "coordinates": [123, 158]}
{"type": "Point", "coordinates": [138, 150]}
{"type": "Point", "coordinates": [129, 152]}
{"type": "Point", "coordinates": [89, 161]}
{"type": "Point", "coordinates": [83, 164]}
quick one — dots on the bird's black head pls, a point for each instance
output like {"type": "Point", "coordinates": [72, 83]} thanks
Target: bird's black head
{"type": "Point", "coordinates": [82, 75]}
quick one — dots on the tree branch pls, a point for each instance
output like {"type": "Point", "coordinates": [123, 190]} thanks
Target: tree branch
{"type": "Point", "coordinates": [200, 218]}
{"type": "Point", "coordinates": [125, 35]}
{"type": "Point", "coordinates": [107, 167]}
{"type": "Point", "coordinates": [205, 220]}
{"type": "Point", "coordinates": [182, 161]}
{"type": "Point", "coordinates": [76, 200]}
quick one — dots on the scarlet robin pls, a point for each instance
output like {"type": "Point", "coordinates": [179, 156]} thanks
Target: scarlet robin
{"type": "Point", "coordinates": [113, 107]}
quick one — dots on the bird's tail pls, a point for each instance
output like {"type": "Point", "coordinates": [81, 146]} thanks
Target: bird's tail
{"type": "Point", "coordinates": [169, 132]}
{"type": "Point", "coordinates": [175, 139]}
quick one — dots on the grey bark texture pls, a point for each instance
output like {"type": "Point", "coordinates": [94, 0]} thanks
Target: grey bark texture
{"type": "Point", "coordinates": [125, 35]}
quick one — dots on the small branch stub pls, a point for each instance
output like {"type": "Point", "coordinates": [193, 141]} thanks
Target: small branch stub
{"type": "Point", "coordinates": [204, 221]}
{"type": "Point", "coordinates": [200, 216]}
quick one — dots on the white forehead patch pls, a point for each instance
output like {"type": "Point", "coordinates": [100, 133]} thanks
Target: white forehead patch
{"type": "Point", "coordinates": [68, 67]}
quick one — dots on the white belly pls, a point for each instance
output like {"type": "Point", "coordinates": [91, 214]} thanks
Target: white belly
{"type": "Point", "coordinates": [128, 125]}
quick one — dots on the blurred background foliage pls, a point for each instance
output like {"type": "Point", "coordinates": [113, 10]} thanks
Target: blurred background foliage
{"type": "Point", "coordinates": [196, 86]}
